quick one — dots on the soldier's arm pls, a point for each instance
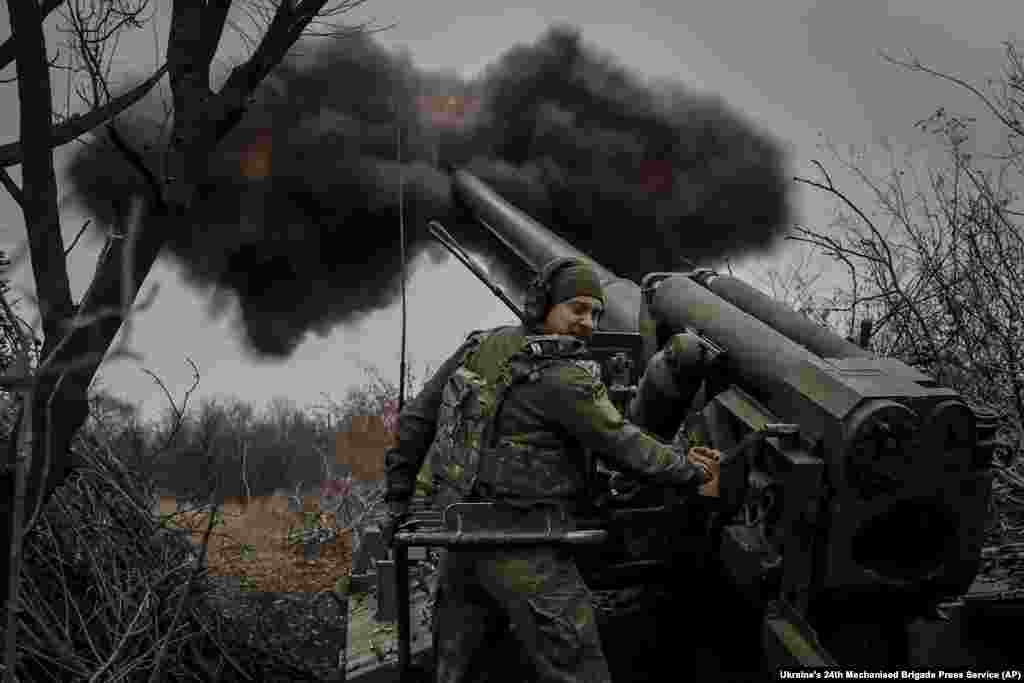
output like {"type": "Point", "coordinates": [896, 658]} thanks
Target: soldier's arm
{"type": "Point", "coordinates": [581, 405]}
{"type": "Point", "coordinates": [417, 425]}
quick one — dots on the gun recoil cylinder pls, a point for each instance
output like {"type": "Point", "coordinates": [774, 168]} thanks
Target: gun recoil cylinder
{"type": "Point", "coordinates": [815, 338]}
{"type": "Point", "coordinates": [756, 350]}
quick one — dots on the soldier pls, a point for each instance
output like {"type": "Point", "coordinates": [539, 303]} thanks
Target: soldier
{"type": "Point", "coordinates": [542, 408]}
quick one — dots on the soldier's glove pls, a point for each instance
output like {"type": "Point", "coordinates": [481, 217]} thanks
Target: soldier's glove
{"type": "Point", "coordinates": [398, 512]}
{"type": "Point", "coordinates": [710, 462]}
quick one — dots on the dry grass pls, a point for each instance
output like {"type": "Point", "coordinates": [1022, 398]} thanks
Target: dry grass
{"type": "Point", "coordinates": [252, 544]}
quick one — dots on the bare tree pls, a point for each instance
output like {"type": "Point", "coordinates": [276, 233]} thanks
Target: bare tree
{"type": "Point", "coordinates": [938, 260]}
{"type": "Point", "coordinates": [78, 336]}
{"type": "Point", "coordinates": [797, 284]}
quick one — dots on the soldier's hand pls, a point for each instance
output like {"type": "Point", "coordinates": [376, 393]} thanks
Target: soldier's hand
{"type": "Point", "coordinates": [398, 512]}
{"type": "Point", "coordinates": [710, 461]}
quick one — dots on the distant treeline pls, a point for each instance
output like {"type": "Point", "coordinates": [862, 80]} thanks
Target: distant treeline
{"type": "Point", "coordinates": [203, 450]}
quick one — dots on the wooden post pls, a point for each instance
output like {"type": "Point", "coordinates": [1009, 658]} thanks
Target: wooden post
{"type": "Point", "coordinates": [245, 479]}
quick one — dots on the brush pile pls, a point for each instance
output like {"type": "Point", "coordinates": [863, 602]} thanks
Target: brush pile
{"type": "Point", "coordinates": [1003, 553]}
{"type": "Point", "coordinates": [108, 594]}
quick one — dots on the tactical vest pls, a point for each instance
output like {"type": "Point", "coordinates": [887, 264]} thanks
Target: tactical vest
{"type": "Point", "coordinates": [469, 459]}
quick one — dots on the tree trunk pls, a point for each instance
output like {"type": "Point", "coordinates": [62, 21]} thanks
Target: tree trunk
{"type": "Point", "coordinates": [42, 222]}
{"type": "Point", "coordinates": [60, 406]}
{"type": "Point", "coordinates": [67, 405]}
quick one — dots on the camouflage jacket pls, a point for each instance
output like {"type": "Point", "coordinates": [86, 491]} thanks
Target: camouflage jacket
{"type": "Point", "coordinates": [542, 430]}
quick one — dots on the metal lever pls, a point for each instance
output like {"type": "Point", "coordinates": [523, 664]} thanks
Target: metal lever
{"type": "Point", "coordinates": [717, 518]}
{"type": "Point", "coordinates": [450, 539]}
{"type": "Point", "coordinates": [770, 429]}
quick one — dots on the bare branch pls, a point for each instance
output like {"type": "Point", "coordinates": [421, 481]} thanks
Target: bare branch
{"type": "Point", "coordinates": [216, 14]}
{"type": "Point", "coordinates": [63, 133]}
{"type": "Point", "coordinates": [284, 29]}
{"type": "Point", "coordinates": [138, 163]}
{"type": "Point", "coordinates": [7, 49]}
{"type": "Point", "coordinates": [915, 64]}
{"type": "Point", "coordinates": [39, 181]}
{"type": "Point", "coordinates": [81, 231]}
{"type": "Point", "coordinates": [12, 187]}
{"type": "Point", "coordinates": [179, 413]}
{"type": "Point", "coordinates": [885, 259]}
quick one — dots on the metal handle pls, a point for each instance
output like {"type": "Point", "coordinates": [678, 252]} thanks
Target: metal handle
{"type": "Point", "coordinates": [770, 429]}
{"type": "Point", "coordinates": [451, 539]}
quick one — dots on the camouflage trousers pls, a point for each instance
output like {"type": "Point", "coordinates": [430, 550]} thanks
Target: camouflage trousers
{"type": "Point", "coordinates": [538, 593]}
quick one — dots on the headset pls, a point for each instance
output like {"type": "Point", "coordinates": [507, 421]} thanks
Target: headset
{"type": "Point", "coordinates": [538, 294]}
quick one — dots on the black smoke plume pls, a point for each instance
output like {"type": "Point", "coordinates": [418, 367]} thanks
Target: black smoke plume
{"type": "Point", "coordinates": [298, 215]}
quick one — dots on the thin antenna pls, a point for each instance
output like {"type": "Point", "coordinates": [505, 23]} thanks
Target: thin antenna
{"type": "Point", "coordinates": [401, 247]}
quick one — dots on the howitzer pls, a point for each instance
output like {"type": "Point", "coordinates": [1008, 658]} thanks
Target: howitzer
{"type": "Point", "coordinates": [875, 502]}
{"type": "Point", "coordinates": [854, 491]}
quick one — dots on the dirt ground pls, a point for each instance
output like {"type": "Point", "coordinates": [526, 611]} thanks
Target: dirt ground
{"type": "Point", "coordinates": [252, 546]}
{"type": "Point", "coordinates": [274, 598]}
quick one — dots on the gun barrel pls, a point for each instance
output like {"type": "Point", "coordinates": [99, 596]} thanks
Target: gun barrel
{"type": "Point", "coordinates": [536, 245]}
{"type": "Point", "coordinates": [797, 327]}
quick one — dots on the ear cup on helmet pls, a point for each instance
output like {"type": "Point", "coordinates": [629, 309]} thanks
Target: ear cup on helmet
{"type": "Point", "coordinates": [538, 293]}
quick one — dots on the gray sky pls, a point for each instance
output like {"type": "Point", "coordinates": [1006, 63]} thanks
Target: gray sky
{"type": "Point", "coordinates": [798, 69]}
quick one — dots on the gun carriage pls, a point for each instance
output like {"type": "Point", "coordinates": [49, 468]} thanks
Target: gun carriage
{"type": "Point", "coordinates": [853, 494]}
